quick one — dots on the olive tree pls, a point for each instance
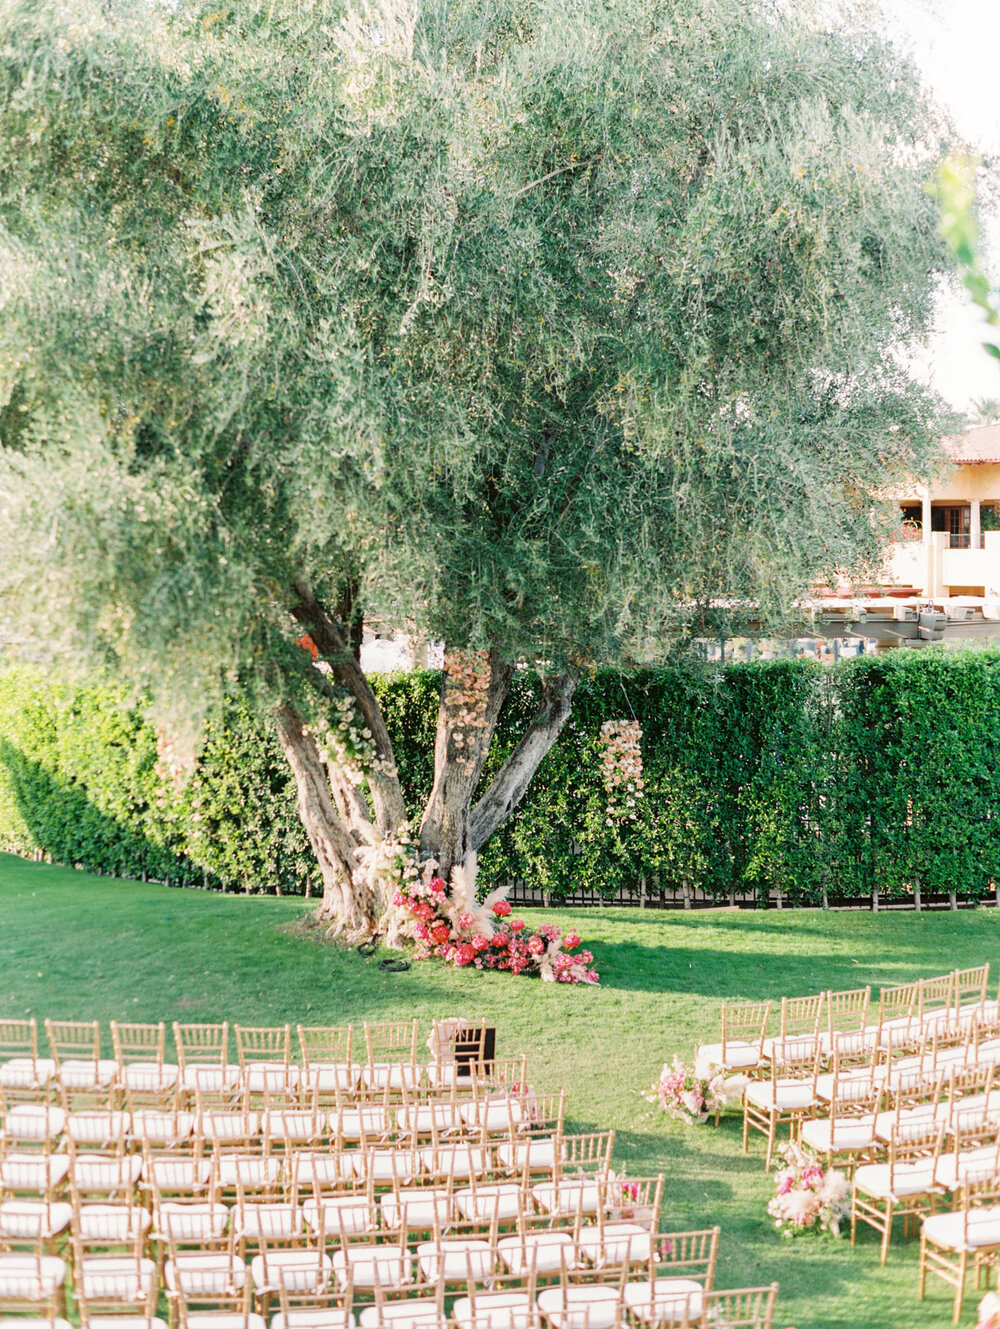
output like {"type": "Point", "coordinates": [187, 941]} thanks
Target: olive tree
{"type": "Point", "coordinates": [551, 331]}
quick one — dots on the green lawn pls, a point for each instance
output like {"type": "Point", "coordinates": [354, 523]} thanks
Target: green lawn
{"type": "Point", "coordinates": [73, 945]}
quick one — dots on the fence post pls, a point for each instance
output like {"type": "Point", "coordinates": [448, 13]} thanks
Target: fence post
{"type": "Point", "coordinates": [952, 900]}
{"type": "Point", "coordinates": [874, 899]}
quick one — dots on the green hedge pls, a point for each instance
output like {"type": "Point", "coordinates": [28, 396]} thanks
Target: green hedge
{"type": "Point", "coordinates": [817, 781]}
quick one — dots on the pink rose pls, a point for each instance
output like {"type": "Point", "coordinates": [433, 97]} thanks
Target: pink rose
{"type": "Point", "coordinates": [517, 925]}
{"type": "Point", "coordinates": [466, 920]}
{"type": "Point", "coordinates": [480, 942]}
{"type": "Point", "coordinates": [501, 908]}
{"type": "Point", "coordinates": [464, 954]}
{"type": "Point", "coordinates": [570, 940]}
{"type": "Point", "coordinates": [437, 885]}
{"type": "Point", "coordinates": [536, 946]}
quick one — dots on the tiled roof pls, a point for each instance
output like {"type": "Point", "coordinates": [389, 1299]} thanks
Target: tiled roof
{"type": "Point", "coordinates": [976, 446]}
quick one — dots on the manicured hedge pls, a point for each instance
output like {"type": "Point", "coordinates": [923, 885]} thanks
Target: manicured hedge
{"type": "Point", "coordinates": [818, 781]}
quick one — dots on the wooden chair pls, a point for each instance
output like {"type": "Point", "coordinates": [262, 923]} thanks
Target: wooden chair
{"type": "Point", "coordinates": [265, 1057]}
{"type": "Point", "coordinates": [788, 1097]}
{"type": "Point", "coordinates": [680, 1272]}
{"type": "Point", "coordinates": [391, 1048]}
{"type": "Point", "coordinates": [740, 1049]}
{"type": "Point", "coordinates": [968, 1235]}
{"type": "Point", "coordinates": [735, 1308]}
{"type": "Point", "coordinates": [327, 1063]}
{"type": "Point", "coordinates": [203, 1061]}
{"type": "Point", "coordinates": [81, 1073]}
{"type": "Point", "coordinates": [145, 1077]}
{"type": "Point", "coordinates": [24, 1075]}
{"type": "Point", "coordinates": [906, 1185]}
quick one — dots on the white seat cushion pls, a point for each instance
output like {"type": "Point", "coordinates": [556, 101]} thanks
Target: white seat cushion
{"type": "Point", "coordinates": [298, 1271]}
{"type": "Point", "coordinates": [420, 1208]}
{"type": "Point", "coordinates": [946, 1230]}
{"type": "Point", "coordinates": [665, 1300]}
{"type": "Point", "coordinates": [909, 1179]}
{"type": "Point", "coordinates": [547, 1252]}
{"type": "Point", "coordinates": [225, 1127]}
{"type": "Point", "coordinates": [293, 1125]}
{"type": "Point", "coordinates": [455, 1260]}
{"type": "Point", "coordinates": [117, 1223]}
{"type": "Point", "coordinates": [460, 1161]}
{"type": "Point", "coordinates": [211, 1078]}
{"type": "Point", "coordinates": [537, 1155]}
{"type": "Point", "coordinates": [91, 1172]}
{"type": "Point", "coordinates": [34, 1121]}
{"type": "Point", "coordinates": [162, 1129]}
{"type": "Point", "coordinates": [313, 1317]}
{"type": "Point", "coordinates": [952, 1169]}
{"type": "Point", "coordinates": [502, 1199]}
{"type": "Point", "coordinates": [389, 1164]}
{"type": "Point", "coordinates": [29, 1278]}
{"type": "Point", "coordinates": [126, 1322]}
{"type": "Point", "coordinates": [179, 1175]}
{"type": "Point", "coordinates": [79, 1074]}
{"type": "Point", "coordinates": [270, 1076]}
{"type": "Point", "coordinates": [329, 1076]}
{"type": "Point", "coordinates": [148, 1077]}
{"type": "Point", "coordinates": [277, 1222]}
{"type": "Point", "coordinates": [571, 1195]}
{"type": "Point", "coordinates": [397, 1075]}
{"type": "Point", "coordinates": [845, 1135]}
{"type": "Point", "coordinates": [98, 1129]}
{"type": "Point", "coordinates": [115, 1278]}
{"type": "Point", "coordinates": [204, 1274]}
{"type": "Point", "coordinates": [427, 1117]}
{"type": "Point", "coordinates": [584, 1306]}
{"type": "Point", "coordinates": [494, 1310]}
{"type": "Point", "coordinates": [355, 1123]}
{"type": "Point", "coordinates": [192, 1222]}
{"type": "Point", "coordinates": [250, 1170]}
{"type": "Point", "coordinates": [26, 1072]}
{"type": "Point", "coordinates": [739, 1057]}
{"type": "Point", "coordinates": [29, 1220]}
{"type": "Point", "coordinates": [785, 1096]}
{"type": "Point", "coordinates": [395, 1266]}
{"type": "Point", "coordinates": [336, 1214]}
{"type": "Point", "coordinates": [33, 1172]}
{"type": "Point", "coordinates": [224, 1320]}
{"type": "Point", "coordinates": [420, 1312]}
{"type": "Point", "coordinates": [615, 1244]}
{"type": "Point", "coordinates": [31, 1322]}
{"type": "Point", "coordinates": [496, 1114]}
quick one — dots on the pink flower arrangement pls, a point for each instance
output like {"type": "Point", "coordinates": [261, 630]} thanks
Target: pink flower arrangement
{"type": "Point", "coordinates": [511, 948]}
{"type": "Point", "coordinates": [807, 1197]}
{"type": "Point", "coordinates": [686, 1096]}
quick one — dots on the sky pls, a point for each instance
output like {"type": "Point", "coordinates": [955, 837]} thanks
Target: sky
{"type": "Point", "coordinates": [956, 44]}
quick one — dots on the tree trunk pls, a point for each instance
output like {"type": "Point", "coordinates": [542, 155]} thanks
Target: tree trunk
{"type": "Point", "coordinates": [347, 905]}
{"type": "Point", "coordinates": [465, 728]}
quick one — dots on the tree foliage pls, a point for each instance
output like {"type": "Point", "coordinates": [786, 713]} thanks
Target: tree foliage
{"type": "Point", "coordinates": [549, 331]}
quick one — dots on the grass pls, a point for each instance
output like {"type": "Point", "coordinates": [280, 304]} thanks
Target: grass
{"type": "Point", "coordinates": [73, 945]}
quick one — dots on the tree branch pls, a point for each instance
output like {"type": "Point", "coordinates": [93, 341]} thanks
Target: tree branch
{"type": "Point", "coordinates": [572, 166]}
{"type": "Point", "coordinates": [332, 644]}
{"type": "Point", "coordinates": [512, 780]}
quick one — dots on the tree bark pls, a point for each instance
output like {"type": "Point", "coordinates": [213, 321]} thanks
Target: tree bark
{"type": "Point", "coordinates": [459, 757]}
{"type": "Point", "coordinates": [332, 644]}
{"type": "Point", "coordinates": [511, 781]}
{"type": "Point", "coordinates": [346, 904]}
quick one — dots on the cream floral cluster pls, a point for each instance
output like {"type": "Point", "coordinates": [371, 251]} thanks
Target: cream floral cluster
{"type": "Point", "coordinates": [172, 768]}
{"type": "Point", "coordinates": [347, 743]}
{"type": "Point", "coordinates": [621, 768]}
{"type": "Point", "coordinates": [466, 688]}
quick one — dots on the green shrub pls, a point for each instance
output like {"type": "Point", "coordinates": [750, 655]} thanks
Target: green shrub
{"type": "Point", "coordinates": [879, 773]}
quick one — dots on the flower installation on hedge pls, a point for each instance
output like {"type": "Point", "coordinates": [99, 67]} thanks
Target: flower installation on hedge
{"type": "Point", "coordinates": [686, 1096]}
{"type": "Point", "coordinates": [467, 933]}
{"type": "Point", "coordinates": [807, 1197]}
{"type": "Point", "coordinates": [621, 768]}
